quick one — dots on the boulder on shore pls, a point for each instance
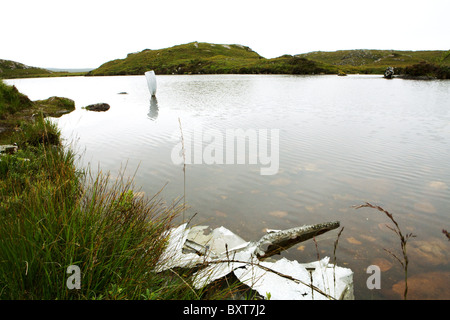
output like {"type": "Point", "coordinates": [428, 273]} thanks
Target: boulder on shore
{"type": "Point", "coordinates": [389, 73]}
{"type": "Point", "coordinates": [98, 107]}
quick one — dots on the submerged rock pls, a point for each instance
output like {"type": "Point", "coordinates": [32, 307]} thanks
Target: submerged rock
{"type": "Point", "coordinates": [98, 107]}
{"type": "Point", "coordinates": [426, 286]}
{"type": "Point", "coordinates": [432, 252]}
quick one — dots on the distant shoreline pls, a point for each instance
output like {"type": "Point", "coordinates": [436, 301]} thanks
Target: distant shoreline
{"type": "Point", "coordinates": [209, 58]}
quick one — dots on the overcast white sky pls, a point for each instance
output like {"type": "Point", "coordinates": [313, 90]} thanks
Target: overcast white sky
{"type": "Point", "coordinates": [87, 33]}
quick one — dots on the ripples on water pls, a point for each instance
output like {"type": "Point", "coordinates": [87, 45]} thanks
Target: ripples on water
{"type": "Point", "coordinates": [343, 141]}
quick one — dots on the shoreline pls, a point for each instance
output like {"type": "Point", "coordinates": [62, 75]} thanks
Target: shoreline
{"type": "Point", "coordinates": [340, 74]}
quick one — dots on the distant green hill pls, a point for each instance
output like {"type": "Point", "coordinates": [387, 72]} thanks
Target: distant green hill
{"type": "Point", "coordinates": [376, 61]}
{"type": "Point", "coordinates": [11, 69]}
{"type": "Point", "coordinates": [207, 58]}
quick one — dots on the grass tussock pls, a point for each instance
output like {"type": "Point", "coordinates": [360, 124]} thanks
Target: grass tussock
{"type": "Point", "coordinates": [11, 100]}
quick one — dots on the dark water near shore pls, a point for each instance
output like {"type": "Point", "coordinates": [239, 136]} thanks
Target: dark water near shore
{"type": "Point", "coordinates": [342, 141]}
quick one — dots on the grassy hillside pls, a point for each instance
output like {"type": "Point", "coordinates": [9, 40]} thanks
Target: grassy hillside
{"type": "Point", "coordinates": [11, 69]}
{"type": "Point", "coordinates": [376, 61]}
{"type": "Point", "coordinates": [205, 58]}
{"type": "Point", "coordinates": [209, 58]}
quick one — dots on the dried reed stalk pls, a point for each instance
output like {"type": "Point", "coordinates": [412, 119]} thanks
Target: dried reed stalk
{"type": "Point", "coordinates": [403, 241]}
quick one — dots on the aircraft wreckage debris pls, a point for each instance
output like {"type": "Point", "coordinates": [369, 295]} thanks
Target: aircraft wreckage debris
{"type": "Point", "coordinates": [220, 252]}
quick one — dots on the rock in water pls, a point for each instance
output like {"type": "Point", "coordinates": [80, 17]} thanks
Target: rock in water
{"type": "Point", "coordinates": [151, 82]}
{"type": "Point", "coordinates": [98, 107]}
{"type": "Point", "coordinates": [389, 73]}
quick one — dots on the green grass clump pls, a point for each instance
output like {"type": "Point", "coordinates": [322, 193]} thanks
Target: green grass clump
{"type": "Point", "coordinates": [427, 70]}
{"type": "Point", "coordinates": [11, 100]}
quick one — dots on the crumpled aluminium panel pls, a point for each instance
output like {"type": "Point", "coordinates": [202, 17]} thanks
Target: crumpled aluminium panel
{"type": "Point", "coordinates": [222, 252]}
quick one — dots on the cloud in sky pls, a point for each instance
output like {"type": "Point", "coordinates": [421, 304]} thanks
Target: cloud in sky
{"type": "Point", "coordinates": [76, 34]}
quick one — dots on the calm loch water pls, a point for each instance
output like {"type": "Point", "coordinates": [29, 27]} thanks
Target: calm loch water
{"type": "Point", "coordinates": [342, 141]}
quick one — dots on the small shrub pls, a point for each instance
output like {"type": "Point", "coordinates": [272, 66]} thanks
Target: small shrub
{"type": "Point", "coordinates": [41, 132]}
{"type": "Point", "coordinates": [421, 69]}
